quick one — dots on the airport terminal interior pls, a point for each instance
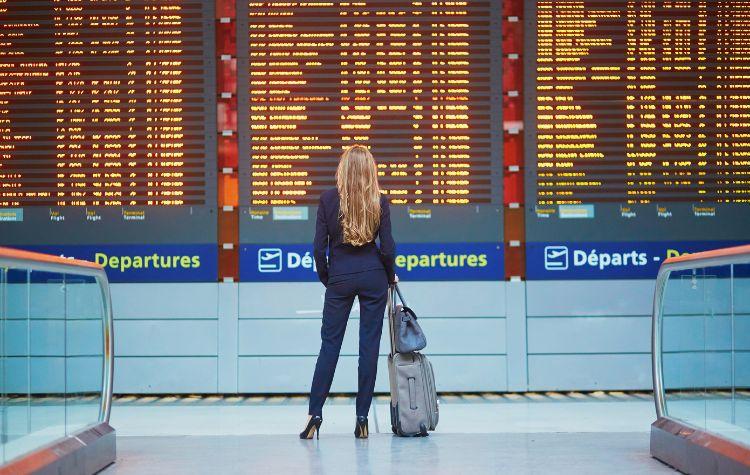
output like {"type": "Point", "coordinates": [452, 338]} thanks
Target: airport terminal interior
{"type": "Point", "coordinates": [569, 192]}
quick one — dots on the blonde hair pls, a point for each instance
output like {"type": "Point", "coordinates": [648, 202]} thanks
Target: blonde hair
{"type": "Point", "coordinates": [359, 193]}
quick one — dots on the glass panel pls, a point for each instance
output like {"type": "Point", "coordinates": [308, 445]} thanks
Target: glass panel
{"type": "Point", "coordinates": [47, 356]}
{"type": "Point", "coordinates": [51, 357]}
{"type": "Point", "coordinates": [683, 346]}
{"type": "Point", "coordinates": [85, 351]}
{"type": "Point", "coordinates": [741, 353]}
{"type": "Point", "coordinates": [3, 395]}
{"type": "Point", "coordinates": [717, 321]}
{"type": "Point", "coordinates": [706, 349]}
{"type": "Point", "coordinates": [17, 363]}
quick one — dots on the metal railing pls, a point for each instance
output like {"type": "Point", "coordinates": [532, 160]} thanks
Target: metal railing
{"type": "Point", "coordinates": [701, 361]}
{"type": "Point", "coordinates": [56, 364]}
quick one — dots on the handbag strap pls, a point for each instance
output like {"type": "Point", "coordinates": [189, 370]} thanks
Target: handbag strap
{"type": "Point", "coordinates": [390, 316]}
{"type": "Point", "coordinates": [393, 291]}
{"type": "Point", "coordinates": [400, 295]}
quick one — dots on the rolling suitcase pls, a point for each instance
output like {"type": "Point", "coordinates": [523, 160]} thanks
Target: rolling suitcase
{"type": "Point", "coordinates": [414, 403]}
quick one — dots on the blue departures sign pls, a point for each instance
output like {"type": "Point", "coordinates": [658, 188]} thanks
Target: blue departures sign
{"type": "Point", "coordinates": [414, 262]}
{"type": "Point", "coordinates": [607, 260]}
{"type": "Point", "coordinates": [146, 263]}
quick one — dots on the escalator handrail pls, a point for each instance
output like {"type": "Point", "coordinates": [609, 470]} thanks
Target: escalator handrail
{"type": "Point", "coordinates": [697, 260]}
{"type": "Point", "coordinates": [34, 261]}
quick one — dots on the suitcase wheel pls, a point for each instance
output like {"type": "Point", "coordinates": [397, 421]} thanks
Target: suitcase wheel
{"type": "Point", "coordinates": [423, 430]}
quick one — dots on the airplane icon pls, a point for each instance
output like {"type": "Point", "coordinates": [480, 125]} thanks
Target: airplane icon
{"type": "Point", "coordinates": [269, 260]}
{"type": "Point", "coordinates": [556, 257]}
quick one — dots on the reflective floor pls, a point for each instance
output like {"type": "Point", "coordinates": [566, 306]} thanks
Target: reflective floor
{"type": "Point", "coordinates": [538, 433]}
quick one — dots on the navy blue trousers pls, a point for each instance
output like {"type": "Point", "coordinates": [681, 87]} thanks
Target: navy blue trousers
{"type": "Point", "coordinates": [371, 287]}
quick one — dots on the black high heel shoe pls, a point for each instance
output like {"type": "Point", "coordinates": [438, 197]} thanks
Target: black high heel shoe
{"type": "Point", "coordinates": [313, 428]}
{"type": "Point", "coordinates": [360, 430]}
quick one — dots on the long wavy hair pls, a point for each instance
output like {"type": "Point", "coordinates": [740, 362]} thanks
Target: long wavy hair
{"type": "Point", "coordinates": [357, 182]}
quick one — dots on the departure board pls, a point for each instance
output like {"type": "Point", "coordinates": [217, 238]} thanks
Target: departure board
{"type": "Point", "coordinates": [637, 145]}
{"type": "Point", "coordinates": [107, 122]}
{"type": "Point", "coordinates": [637, 118]}
{"type": "Point", "coordinates": [418, 82]}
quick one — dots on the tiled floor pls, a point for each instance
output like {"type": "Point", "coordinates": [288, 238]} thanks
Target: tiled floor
{"type": "Point", "coordinates": [488, 413]}
{"type": "Point", "coordinates": [516, 433]}
{"type": "Point", "coordinates": [450, 454]}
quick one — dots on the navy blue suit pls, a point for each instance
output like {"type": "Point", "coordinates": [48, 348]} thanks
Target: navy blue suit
{"type": "Point", "coordinates": [347, 272]}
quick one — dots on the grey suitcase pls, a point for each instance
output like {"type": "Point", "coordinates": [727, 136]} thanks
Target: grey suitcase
{"type": "Point", "coordinates": [414, 403]}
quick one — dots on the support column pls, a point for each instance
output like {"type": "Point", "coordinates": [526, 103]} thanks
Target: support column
{"type": "Point", "coordinates": [228, 162]}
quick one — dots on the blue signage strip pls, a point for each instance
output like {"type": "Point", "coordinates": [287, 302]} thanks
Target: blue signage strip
{"type": "Point", "coordinates": [414, 262]}
{"type": "Point", "coordinates": [146, 263]}
{"type": "Point", "coordinates": [607, 260]}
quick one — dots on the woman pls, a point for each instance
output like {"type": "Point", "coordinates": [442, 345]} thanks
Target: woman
{"type": "Point", "coordinates": [350, 217]}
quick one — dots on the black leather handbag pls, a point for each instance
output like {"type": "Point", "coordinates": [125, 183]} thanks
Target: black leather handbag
{"type": "Point", "coordinates": [407, 334]}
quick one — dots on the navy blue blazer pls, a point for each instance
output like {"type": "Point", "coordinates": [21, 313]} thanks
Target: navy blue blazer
{"type": "Point", "coordinates": [344, 258]}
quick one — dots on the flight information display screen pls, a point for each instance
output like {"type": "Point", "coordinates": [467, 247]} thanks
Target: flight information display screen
{"type": "Point", "coordinates": [637, 119]}
{"type": "Point", "coordinates": [107, 130]}
{"type": "Point", "coordinates": [418, 82]}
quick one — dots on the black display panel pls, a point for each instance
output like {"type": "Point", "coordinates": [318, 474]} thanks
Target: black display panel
{"type": "Point", "coordinates": [636, 120]}
{"type": "Point", "coordinates": [636, 125]}
{"type": "Point", "coordinates": [419, 82]}
{"type": "Point", "coordinates": [108, 129]}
